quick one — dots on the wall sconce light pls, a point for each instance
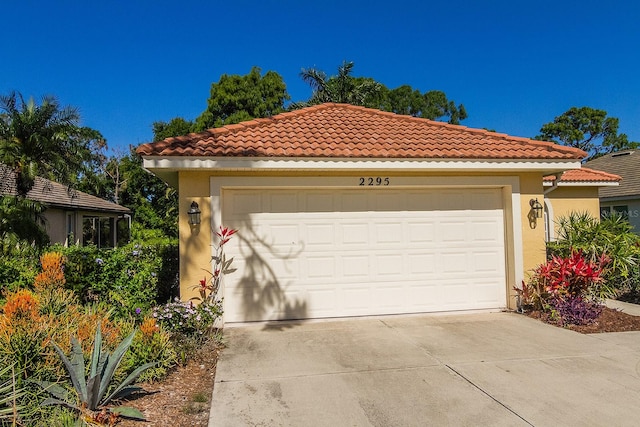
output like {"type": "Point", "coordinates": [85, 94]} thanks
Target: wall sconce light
{"type": "Point", "coordinates": [194, 214]}
{"type": "Point", "coordinates": [536, 208]}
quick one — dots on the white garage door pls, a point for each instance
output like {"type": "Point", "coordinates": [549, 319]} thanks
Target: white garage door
{"type": "Point", "coordinates": [313, 253]}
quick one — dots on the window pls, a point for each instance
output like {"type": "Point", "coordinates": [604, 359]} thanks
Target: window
{"type": "Point", "coordinates": [98, 231]}
{"type": "Point", "coordinates": [622, 210]}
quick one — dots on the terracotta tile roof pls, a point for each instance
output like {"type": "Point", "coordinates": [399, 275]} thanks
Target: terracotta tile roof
{"type": "Point", "coordinates": [53, 194]}
{"type": "Point", "coordinates": [623, 163]}
{"type": "Point", "coordinates": [346, 131]}
{"type": "Point", "coordinates": [584, 175]}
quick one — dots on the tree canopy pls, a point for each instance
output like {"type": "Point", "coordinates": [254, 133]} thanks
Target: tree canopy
{"type": "Point", "coordinates": [236, 98]}
{"type": "Point", "coordinates": [588, 129]}
{"type": "Point", "coordinates": [365, 91]}
{"type": "Point", "coordinates": [175, 127]}
{"type": "Point", "coordinates": [44, 140]}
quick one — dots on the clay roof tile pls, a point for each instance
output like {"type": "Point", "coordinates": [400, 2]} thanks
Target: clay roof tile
{"type": "Point", "coordinates": [342, 130]}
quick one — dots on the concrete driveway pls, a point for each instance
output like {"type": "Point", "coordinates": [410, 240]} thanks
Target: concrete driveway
{"type": "Point", "coordinates": [498, 369]}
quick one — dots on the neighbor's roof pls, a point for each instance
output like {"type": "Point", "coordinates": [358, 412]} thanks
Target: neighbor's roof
{"type": "Point", "coordinates": [627, 165]}
{"type": "Point", "coordinates": [347, 131]}
{"type": "Point", "coordinates": [55, 195]}
{"type": "Point", "coordinates": [584, 176]}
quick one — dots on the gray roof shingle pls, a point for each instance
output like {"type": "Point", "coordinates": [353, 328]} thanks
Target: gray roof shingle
{"type": "Point", "coordinates": [53, 194]}
{"type": "Point", "coordinates": [626, 164]}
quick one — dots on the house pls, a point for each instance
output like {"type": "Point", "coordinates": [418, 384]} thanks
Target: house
{"type": "Point", "coordinates": [350, 211]}
{"type": "Point", "coordinates": [574, 190]}
{"type": "Point", "coordinates": [73, 217]}
{"type": "Point", "coordinates": [625, 198]}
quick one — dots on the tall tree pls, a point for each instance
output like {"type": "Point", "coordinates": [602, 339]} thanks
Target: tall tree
{"type": "Point", "coordinates": [342, 88]}
{"type": "Point", "coordinates": [40, 140]}
{"type": "Point", "coordinates": [175, 127]}
{"type": "Point", "coordinates": [236, 98]}
{"type": "Point", "coordinates": [365, 91]}
{"type": "Point", "coordinates": [588, 129]}
{"type": "Point", "coordinates": [153, 203]}
{"type": "Point", "coordinates": [45, 140]}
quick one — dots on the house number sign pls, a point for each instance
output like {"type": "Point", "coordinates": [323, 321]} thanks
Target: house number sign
{"type": "Point", "coordinates": [371, 181]}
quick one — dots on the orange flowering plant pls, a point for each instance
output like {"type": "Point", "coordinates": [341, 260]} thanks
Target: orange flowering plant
{"type": "Point", "coordinates": [209, 288]}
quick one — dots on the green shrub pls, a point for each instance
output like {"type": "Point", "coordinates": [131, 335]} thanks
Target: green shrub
{"type": "Point", "coordinates": [18, 269]}
{"type": "Point", "coordinates": [134, 276]}
{"type": "Point", "coordinates": [150, 344]}
{"type": "Point", "coordinates": [612, 237]}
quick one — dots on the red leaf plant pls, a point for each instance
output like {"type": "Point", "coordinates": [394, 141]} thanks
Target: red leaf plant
{"type": "Point", "coordinates": [574, 275]}
{"type": "Point", "coordinates": [208, 289]}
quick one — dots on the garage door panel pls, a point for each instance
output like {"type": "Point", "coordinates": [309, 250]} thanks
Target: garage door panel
{"type": "Point", "coordinates": [357, 252]}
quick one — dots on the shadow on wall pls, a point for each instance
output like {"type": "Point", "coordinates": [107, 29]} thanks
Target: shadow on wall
{"type": "Point", "coordinates": [263, 294]}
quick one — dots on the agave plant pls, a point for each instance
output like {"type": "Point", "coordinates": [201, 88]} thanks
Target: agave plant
{"type": "Point", "coordinates": [9, 395]}
{"type": "Point", "coordinates": [92, 398]}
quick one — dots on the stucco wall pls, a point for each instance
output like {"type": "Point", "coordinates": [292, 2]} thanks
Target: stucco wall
{"type": "Point", "coordinates": [56, 225]}
{"type": "Point", "coordinates": [562, 201]}
{"type": "Point", "coordinates": [533, 244]}
{"type": "Point", "coordinates": [195, 242]}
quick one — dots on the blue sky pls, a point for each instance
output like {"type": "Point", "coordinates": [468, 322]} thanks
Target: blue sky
{"type": "Point", "coordinates": [515, 65]}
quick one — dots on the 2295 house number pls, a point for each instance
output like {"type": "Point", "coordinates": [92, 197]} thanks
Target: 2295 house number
{"type": "Point", "coordinates": [375, 181]}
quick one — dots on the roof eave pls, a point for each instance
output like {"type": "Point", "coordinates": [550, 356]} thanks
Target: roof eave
{"type": "Point", "coordinates": [164, 164]}
{"type": "Point", "coordinates": [582, 184]}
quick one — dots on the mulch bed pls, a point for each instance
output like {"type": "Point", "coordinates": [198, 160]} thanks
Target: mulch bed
{"type": "Point", "coordinates": [609, 321]}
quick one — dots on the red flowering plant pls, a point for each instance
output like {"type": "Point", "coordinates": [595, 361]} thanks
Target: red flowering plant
{"type": "Point", "coordinates": [209, 288]}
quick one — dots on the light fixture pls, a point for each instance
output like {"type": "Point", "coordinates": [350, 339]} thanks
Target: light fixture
{"type": "Point", "coordinates": [536, 208]}
{"type": "Point", "coordinates": [194, 214]}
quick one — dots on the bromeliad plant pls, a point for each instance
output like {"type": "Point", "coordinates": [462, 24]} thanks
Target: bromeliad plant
{"type": "Point", "coordinates": [209, 288]}
{"type": "Point", "coordinates": [92, 399]}
{"type": "Point", "coordinates": [574, 275]}
{"type": "Point", "coordinates": [570, 288]}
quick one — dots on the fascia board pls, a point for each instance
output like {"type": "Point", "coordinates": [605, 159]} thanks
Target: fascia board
{"type": "Point", "coordinates": [272, 163]}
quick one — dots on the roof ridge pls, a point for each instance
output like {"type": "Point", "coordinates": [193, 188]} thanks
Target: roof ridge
{"type": "Point", "coordinates": [603, 173]}
{"type": "Point", "coordinates": [331, 128]}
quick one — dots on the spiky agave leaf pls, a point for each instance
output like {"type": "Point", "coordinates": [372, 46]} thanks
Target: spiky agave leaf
{"type": "Point", "coordinates": [112, 363]}
{"type": "Point", "coordinates": [129, 412]}
{"type": "Point", "coordinates": [97, 352]}
{"type": "Point", "coordinates": [93, 392]}
{"type": "Point", "coordinates": [75, 367]}
{"type": "Point", "coordinates": [119, 391]}
{"type": "Point", "coordinates": [53, 401]}
{"type": "Point", "coordinates": [54, 389]}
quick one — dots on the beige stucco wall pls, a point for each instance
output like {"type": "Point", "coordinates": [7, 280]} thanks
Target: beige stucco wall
{"type": "Point", "coordinates": [196, 242]}
{"type": "Point", "coordinates": [56, 225]}
{"type": "Point", "coordinates": [562, 201]}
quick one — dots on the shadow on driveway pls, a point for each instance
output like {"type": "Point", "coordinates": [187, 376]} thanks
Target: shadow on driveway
{"type": "Point", "coordinates": [498, 369]}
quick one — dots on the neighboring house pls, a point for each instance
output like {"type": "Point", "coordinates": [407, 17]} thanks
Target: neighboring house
{"type": "Point", "coordinates": [73, 217]}
{"type": "Point", "coordinates": [625, 198]}
{"type": "Point", "coordinates": [350, 211]}
{"type": "Point", "coordinates": [575, 191]}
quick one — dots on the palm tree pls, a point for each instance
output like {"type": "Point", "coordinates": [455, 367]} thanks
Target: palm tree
{"type": "Point", "coordinates": [342, 88]}
{"type": "Point", "coordinates": [40, 140]}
